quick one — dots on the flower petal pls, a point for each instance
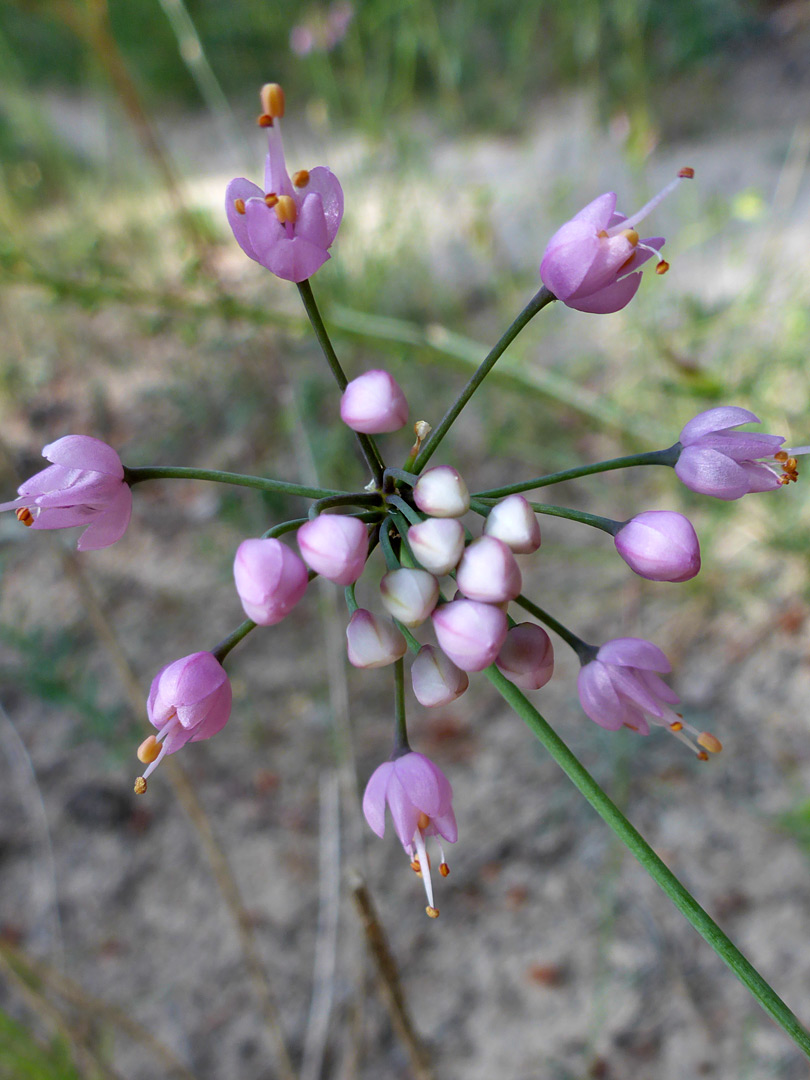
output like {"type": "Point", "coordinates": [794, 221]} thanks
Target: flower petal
{"type": "Point", "coordinates": [711, 473]}
{"type": "Point", "coordinates": [374, 797]}
{"type": "Point", "coordinates": [264, 230]}
{"type": "Point", "coordinates": [420, 780]}
{"type": "Point", "coordinates": [240, 188]}
{"type": "Point", "coordinates": [598, 697]}
{"type": "Point", "coordinates": [568, 258]}
{"type": "Point", "coordinates": [403, 812]}
{"type": "Point", "coordinates": [634, 652]}
{"type": "Point", "coordinates": [323, 182]}
{"type": "Point", "coordinates": [311, 223]}
{"type": "Point", "coordinates": [719, 419]}
{"type": "Point", "coordinates": [84, 452]}
{"type": "Point", "coordinates": [110, 525]}
{"type": "Point", "coordinates": [296, 259]}
{"type": "Point", "coordinates": [613, 298]}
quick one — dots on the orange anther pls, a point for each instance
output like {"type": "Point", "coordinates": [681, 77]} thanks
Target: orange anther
{"type": "Point", "coordinates": [432, 912]}
{"type": "Point", "coordinates": [423, 821]}
{"type": "Point", "coordinates": [662, 267]}
{"type": "Point", "coordinates": [780, 455]}
{"type": "Point", "coordinates": [272, 99]}
{"type": "Point", "coordinates": [239, 206]}
{"type": "Point", "coordinates": [24, 515]}
{"type": "Point", "coordinates": [417, 869]}
{"type": "Point", "coordinates": [444, 869]}
{"type": "Point", "coordinates": [676, 725]}
{"type": "Point", "coordinates": [140, 786]}
{"type": "Point", "coordinates": [791, 464]}
{"type": "Point", "coordinates": [270, 198]}
{"type": "Point", "coordinates": [301, 178]}
{"type": "Point", "coordinates": [264, 120]}
{"type": "Point", "coordinates": [630, 235]}
{"type": "Point", "coordinates": [703, 756]}
{"type": "Point", "coordinates": [709, 742]}
{"type": "Point", "coordinates": [286, 209]}
{"type": "Point", "coordinates": [148, 750]}
{"type": "Point", "coordinates": [686, 173]}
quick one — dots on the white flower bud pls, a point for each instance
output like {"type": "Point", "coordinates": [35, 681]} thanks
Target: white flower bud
{"type": "Point", "coordinates": [436, 679]}
{"type": "Point", "coordinates": [409, 595]}
{"type": "Point", "coordinates": [437, 543]}
{"type": "Point", "coordinates": [373, 642]}
{"type": "Point", "coordinates": [488, 572]}
{"type": "Point", "coordinates": [442, 493]}
{"type": "Point", "coordinates": [515, 523]}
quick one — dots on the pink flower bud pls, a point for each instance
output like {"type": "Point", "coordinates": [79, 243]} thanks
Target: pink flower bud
{"type": "Point", "coordinates": [270, 580]}
{"type": "Point", "coordinates": [660, 545]}
{"type": "Point", "coordinates": [409, 595]}
{"type": "Point", "coordinates": [515, 523]}
{"type": "Point", "coordinates": [436, 679]}
{"type": "Point", "coordinates": [335, 546]}
{"type": "Point", "coordinates": [442, 493]}
{"type": "Point", "coordinates": [470, 633]}
{"type": "Point", "coordinates": [437, 543]}
{"type": "Point", "coordinates": [372, 642]}
{"type": "Point", "coordinates": [374, 403]}
{"type": "Point", "coordinates": [488, 572]}
{"type": "Point", "coordinates": [527, 656]}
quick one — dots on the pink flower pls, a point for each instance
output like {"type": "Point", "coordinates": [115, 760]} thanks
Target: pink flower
{"type": "Point", "coordinates": [527, 656]}
{"type": "Point", "coordinates": [84, 486]}
{"type": "Point", "coordinates": [513, 521]}
{"type": "Point", "coordinates": [470, 633]}
{"type": "Point", "coordinates": [590, 262]}
{"type": "Point", "coordinates": [335, 546]}
{"type": "Point", "coordinates": [372, 642]}
{"type": "Point", "coordinates": [716, 460]}
{"type": "Point", "coordinates": [190, 699]}
{"type": "Point", "coordinates": [621, 688]}
{"type": "Point", "coordinates": [270, 580]}
{"type": "Point", "coordinates": [442, 493]}
{"type": "Point", "coordinates": [374, 403]}
{"type": "Point", "coordinates": [419, 796]}
{"type": "Point", "coordinates": [438, 543]}
{"type": "Point", "coordinates": [488, 571]}
{"type": "Point", "coordinates": [660, 545]}
{"type": "Point", "coordinates": [289, 226]}
{"type": "Point", "coordinates": [435, 678]}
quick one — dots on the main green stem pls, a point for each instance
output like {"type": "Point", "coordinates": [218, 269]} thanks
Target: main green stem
{"type": "Point", "coordinates": [401, 744]}
{"type": "Point", "coordinates": [632, 839]}
{"type": "Point", "coordinates": [651, 457]}
{"type": "Point", "coordinates": [261, 483]}
{"type": "Point", "coordinates": [537, 302]}
{"type": "Point", "coordinates": [367, 445]}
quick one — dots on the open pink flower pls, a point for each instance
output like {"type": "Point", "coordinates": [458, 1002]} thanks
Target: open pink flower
{"type": "Point", "coordinates": [621, 687]}
{"type": "Point", "coordinates": [189, 700]}
{"type": "Point", "coordinates": [84, 486]}
{"type": "Point", "coordinates": [289, 225]}
{"type": "Point", "coordinates": [717, 460]}
{"type": "Point", "coordinates": [590, 263]}
{"type": "Point", "coordinates": [419, 796]}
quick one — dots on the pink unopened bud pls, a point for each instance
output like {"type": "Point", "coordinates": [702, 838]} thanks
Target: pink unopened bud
{"type": "Point", "coordinates": [373, 403]}
{"type": "Point", "coordinates": [409, 595]}
{"type": "Point", "coordinates": [436, 679]}
{"type": "Point", "coordinates": [515, 523]}
{"type": "Point", "coordinates": [470, 633]}
{"type": "Point", "coordinates": [335, 546]}
{"type": "Point", "coordinates": [660, 545]}
{"type": "Point", "coordinates": [442, 493]}
{"type": "Point", "coordinates": [437, 543]}
{"type": "Point", "coordinates": [373, 642]}
{"type": "Point", "coordinates": [527, 656]}
{"type": "Point", "coordinates": [488, 572]}
{"type": "Point", "coordinates": [270, 580]}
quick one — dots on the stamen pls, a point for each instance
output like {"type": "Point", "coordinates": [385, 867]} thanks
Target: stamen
{"type": "Point", "coordinates": [662, 267]}
{"type": "Point", "coordinates": [432, 912]}
{"type": "Point", "coordinates": [301, 178]}
{"type": "Point", "coordinates": [272, 97]}
{"type": "Point", "coordinates": [631, 222]}
{"type": "Point", "coordinates": [264, 120]}
{"type": "Point", "coordinates": [444, 869]}
{"type": "Point", "coordinates": [286, 209]}
{"type": "Point", "coordinates": [423, 821]}
{"type": "Point", "coordinates": [140, 786]}
{"type": "Point", "coordinates": [780, 455]}
{"type": "Point", "coordinates": [239, 206]}
{"type": "Point", "coordinates": [630, 235]}
{"type": "Point", "coordinates": [686, 173]}
{"type": "Point", "coordinates": [24, 515]}
{"type": "Point", "coordinates": [270, 199]}
{"type": "Point", "coordinates": [148, 750]}
{"type": "Point", "coordinates": [419, 840]}
{"type": "Point", "coordinates": [417, 869]}
{"type": "Point", "coordinates": [709, 742]}
{"type": "Point", "coordinates": [703, 756]}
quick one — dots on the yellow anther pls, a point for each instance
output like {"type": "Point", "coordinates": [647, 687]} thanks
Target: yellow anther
{"type": "Point", "coordinates": [272, 100]}
{"type": "Point", "coordinates": [239, 206]}
{"type": "Point", "coordinates": [270, 198]}
{"type": "Point", "coordinates": [286, 209]}
{"type": "Point", "coordinates": [630, 235]}
{"type": "Point", "coordinates": [662, 267]}
{"type": "Point", "coordinates": [264, 120]}
{"type": "Point", "coordinates": [301, 178]}
{"type": "Point", "coordinates": [24, 515]}
{"type": "Point", "coordinates": [686, 173]}
{"type": "Point", "coordinates": [415, 866]}
{"type": "Point", "coordinates": [709, 742]}
{"type": "Point", "coordinates": [423, 821]}
{"type": "Point", "coordinates": [148, 750]}
{"type": "Point", "coordinates": [791, 464]}
{"type": "Point", "coordinates": [676, 725]}
{"type": "Point", "coordinates": [444, 869]}
{"type": "Point", "coordinates": [140, 786]}
{"type": "Point", "coordinates": [780, 455]}
{"type": "Point", "coordinates": [432, 912]}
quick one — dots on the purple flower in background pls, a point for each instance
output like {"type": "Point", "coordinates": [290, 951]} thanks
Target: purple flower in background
{"type": "Point", "coordinates": [374, 403]}
{"type": "Point", "coordinates": [322, 30]}
{"type": "Point", "coordinates": [660, 545]}
{"type": "Point", "coordinates": [621, 687]}
{"type": "Point", "coordinates": [419, 796]}
{"type": "Point", "coordinates": [289, 226]}
{"type": "Point", "coordinates": [190, 699]}
{"type": "Point", "coordinates": [590, 263]}
{"type": "Point", "coordinates": [84, 486]}
{"type": "Point", "coordinates": [716, 460]}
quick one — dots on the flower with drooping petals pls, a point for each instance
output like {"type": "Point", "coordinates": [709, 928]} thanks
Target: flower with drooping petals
{"type": "Point", "coordinates": [190, 699]}
{"type": "Point", "coordinates": [660, 545]}
{"type": "Point", "coordinates": [471, 633]}
{"type": "Point", "coordinates": [84, 485]}
{"type": "Point", "coordinates": [373, 403]}
{"type": "Point", "coordinates": [335, 546]}
{"type": "Point", "coordinates": [419, 796]}
{"type": "Point", "coordinates": [270, 579]}
{"type": "Point", "coordinates": [289, 226]}
{"type": "Point", "coordinates": [590, 263]}
{"type": "Point", "coordinates": [621, 687]}
{"type": "Point", "coordinates": [717, 460]}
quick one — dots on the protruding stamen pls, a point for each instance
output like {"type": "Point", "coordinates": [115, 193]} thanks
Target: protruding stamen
{"type": "Point", "coordinates": [631, 222]}
{"type": "Point", "coordinates": [662, 267]}
{"type": "Point", "coordinates": [148, 750]}
{"type": "Point", "coordinates": [444, 869]}
{"type": "Point", "coordinates": [286, 209]}
{"type": "Point", "coordinates": [272, 97]}
{"type": "Point", "coordinates": [424, 863]}
{"type": "Point", "coordinates": [686, 173]}
{"type": "Point", "coordinates": [239, 206]}
{"type": "Point", "coordinates": [140, 786]}
{"type": "Point", "coordinates": [709, 742]}
{"type": "Point", "coordinates": [264, 120]}
{"type": "Point", "coordinates": [432, 912]}
{"type": "Point", "coordinates": [24, 515]}
{"type": "Point", "coordinates": [301, 178]}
